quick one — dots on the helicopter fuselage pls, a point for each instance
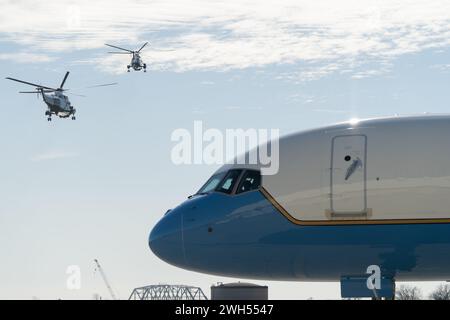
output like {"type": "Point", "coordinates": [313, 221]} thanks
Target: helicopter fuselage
{"type": "Point", "coordinates": [136, 62]}
{"type": "Point", "coordinates": [58, 104]}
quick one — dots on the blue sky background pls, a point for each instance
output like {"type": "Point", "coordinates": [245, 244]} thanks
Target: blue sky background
{"type": "Point", "coordinates": [72, 191]}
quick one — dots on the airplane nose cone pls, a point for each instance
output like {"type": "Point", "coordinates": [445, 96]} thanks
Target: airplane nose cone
{"type": "Point", "coordinates": [166, 241]}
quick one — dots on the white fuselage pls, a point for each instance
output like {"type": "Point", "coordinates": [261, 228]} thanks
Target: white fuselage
{"type": "Point", "coordinates": [403, 171]}
{"type": "Point", "coordinates": [136, 62]}
{"type": "Point", "coordinates": [58, 104]}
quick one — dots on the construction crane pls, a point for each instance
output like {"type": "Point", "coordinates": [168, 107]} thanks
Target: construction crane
{"type": "Point", "coordinates": [100, 269]}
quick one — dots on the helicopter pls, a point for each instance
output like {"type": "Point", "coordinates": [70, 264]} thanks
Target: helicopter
{"type": "Point", "coordinates": [136, 61]}
{"type": "Point", "coordinates": [57, 103]}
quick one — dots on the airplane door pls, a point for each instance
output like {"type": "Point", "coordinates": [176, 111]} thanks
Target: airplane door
{"type": "Point", "coordinates": [348, 175]}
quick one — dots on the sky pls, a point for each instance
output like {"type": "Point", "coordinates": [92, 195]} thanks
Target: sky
{"type": "Point", "coordinates": [73, 191]}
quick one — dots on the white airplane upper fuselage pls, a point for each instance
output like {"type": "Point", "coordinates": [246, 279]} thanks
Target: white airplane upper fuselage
{"type": "Point", "coordinates": [347, 196]}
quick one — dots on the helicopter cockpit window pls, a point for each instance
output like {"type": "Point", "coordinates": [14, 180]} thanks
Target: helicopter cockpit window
{"type": "Point", "coordinates": [228, 183]}
{"type": "Point", "coordinates": [250, 181]}
{"type": "Point", "coordinates": [212, 183]}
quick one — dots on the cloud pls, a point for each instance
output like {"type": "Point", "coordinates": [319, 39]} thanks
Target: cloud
{"type": "Point", "coordinates": [302, 98]}
{"type": "Point", "coordinates": [25, 57]}
{"type": "Point", "coordinates": [312, 72]}
{"type": "Point", "coordinates": [370, 73]}
{"type": "Point", "coordinates": [441, 67]}
{"type": "Point", "coordinates": [336, 111]}
{"type": "Point", "coordinates": [321, 37]}
{"type": "Point", "coordinates": [54, 155]}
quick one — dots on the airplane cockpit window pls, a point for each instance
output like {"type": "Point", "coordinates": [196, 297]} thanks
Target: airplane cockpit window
{"type": "Point", "coordinates": [212, 183]}
{"type": "Point", "coordinates": [229, 181]}
{"type": "Point", "coordinates": [250, 181]}
{"type": "Point", "coordinates": [226, 181]}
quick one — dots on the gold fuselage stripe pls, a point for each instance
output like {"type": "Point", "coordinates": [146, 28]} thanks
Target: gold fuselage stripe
{"type": "Point", "coordinates": [285, 213]}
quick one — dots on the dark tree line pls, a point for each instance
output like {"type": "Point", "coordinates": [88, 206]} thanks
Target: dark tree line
{"type": "Point", "coordinates": [405, 292]}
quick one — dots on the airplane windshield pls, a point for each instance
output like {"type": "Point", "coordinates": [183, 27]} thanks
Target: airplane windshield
{"type": "Point", "coordinates": [212, 183]}
{"type": "Point", "coordinates": [229, 182]}
{"type": "Point", "coordinates": [250, 181]}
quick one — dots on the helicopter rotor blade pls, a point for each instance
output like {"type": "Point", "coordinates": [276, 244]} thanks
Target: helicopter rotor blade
{"type": "Point", "coordinates": [37, 91]}
{"type": "Point", "coordinates": [94, 86]}
{"type": "Point", "coordinates": [120, 52]}
{"type": "Point", "coordinates": [102, 85]}
{"type": "Point", "coordinates": [78, 95]}
{"type": "Point", "coordinates": [110, 45]}
{"type": "Point", "coordinates": [142, 47]}
{"type": "Point", "coordinates": [31, 84]}
{"type": "Point", "coordinates": [163, 50]}
{"type": "Point", "coordinates": [64, 80]}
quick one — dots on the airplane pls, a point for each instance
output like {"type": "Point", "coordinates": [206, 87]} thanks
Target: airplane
{"type": "Point", "coordinates": [346, 197]}
{"type": "Point", "coordinates": [57, 103]}
{"type": "Point", "coordinates": [136, 61]}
